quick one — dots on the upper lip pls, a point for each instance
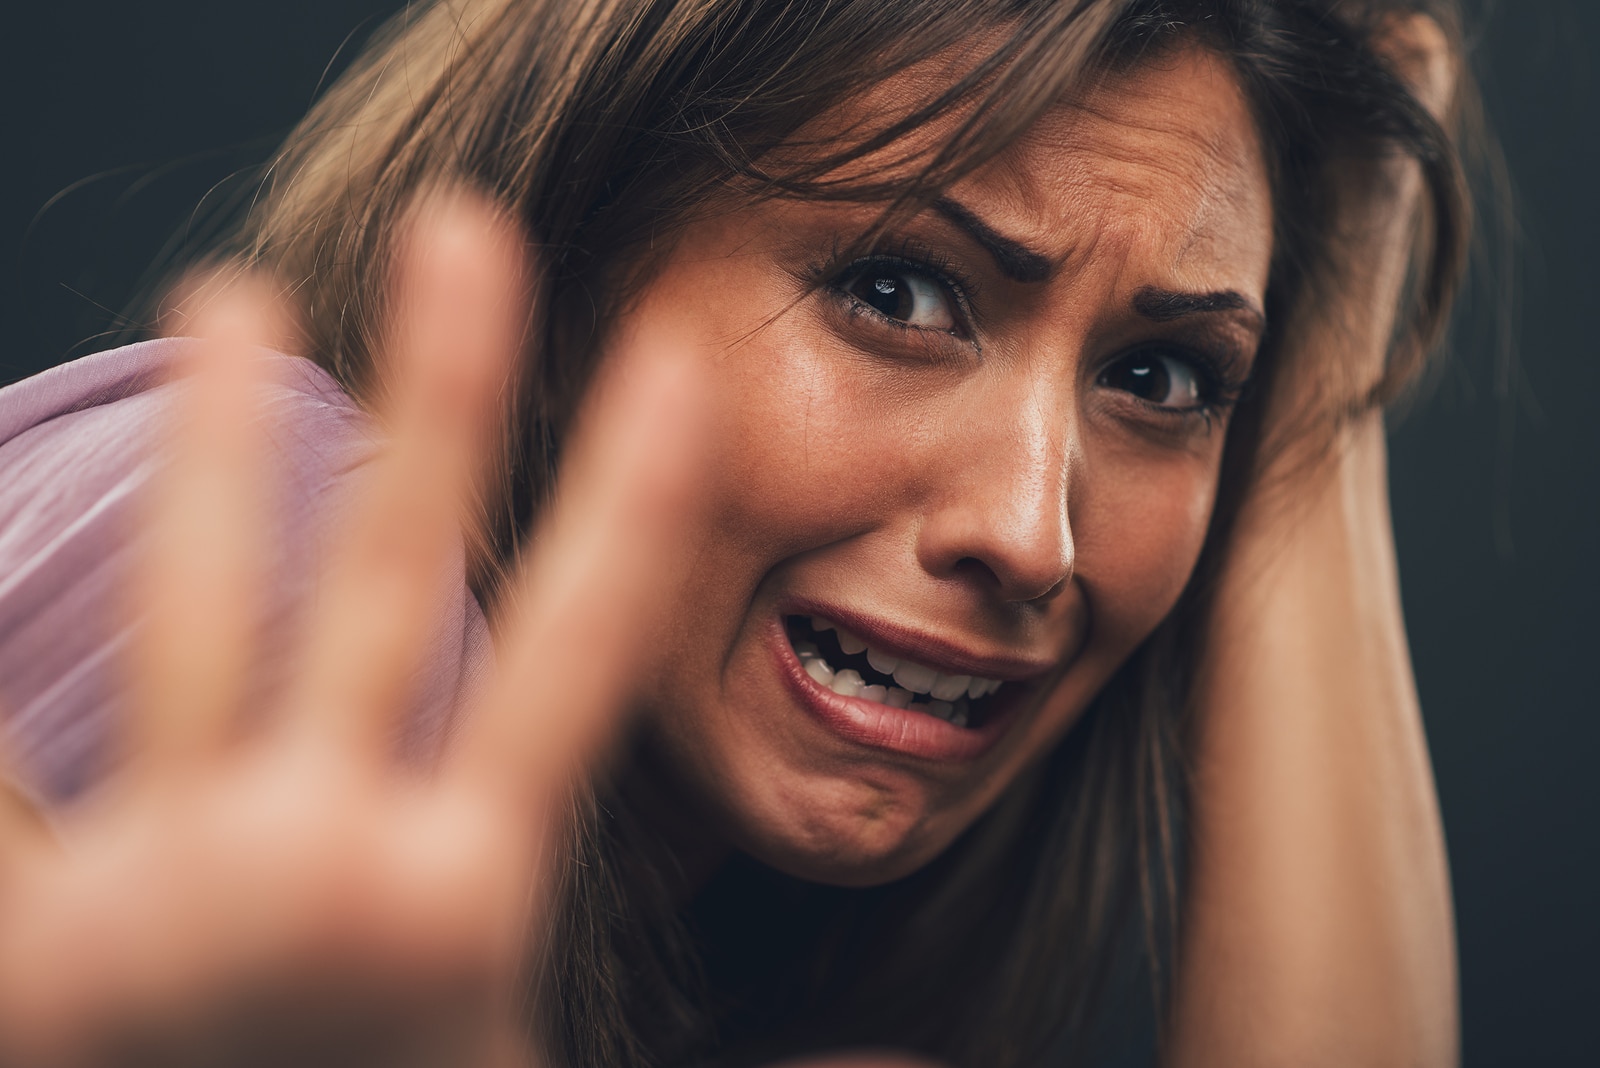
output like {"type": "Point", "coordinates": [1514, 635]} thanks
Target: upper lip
{"type": "Point", "coordinates": [909, 643]}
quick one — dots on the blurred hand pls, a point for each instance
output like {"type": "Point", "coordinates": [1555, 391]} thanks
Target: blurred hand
{"type": "Point", "coordinates": [291, 893]}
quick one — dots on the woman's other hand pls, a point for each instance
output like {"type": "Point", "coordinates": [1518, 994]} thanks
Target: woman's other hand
{"type": "Point", "coordinates": [1341, 337]}
{"type": "Point", "coordinates": [285, 890]}
{"type": "Point", "coordinates": [1318, 926]}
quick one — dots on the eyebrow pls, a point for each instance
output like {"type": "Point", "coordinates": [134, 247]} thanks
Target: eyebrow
{"type": "Point", "coordinates": [1020, 263]}
{"type": "Point", "coordinates": [1016, 261]}
{"type": "Point", "coordinates": [1165, 305]}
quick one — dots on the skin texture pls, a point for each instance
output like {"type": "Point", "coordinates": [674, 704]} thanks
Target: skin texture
{"type": "Point", "coordinates": [294, 898]}
{"type": "Point", "coordinates": [982, 486]}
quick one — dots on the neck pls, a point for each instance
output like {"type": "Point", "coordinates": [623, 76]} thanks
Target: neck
{"type": "Point", "coordinates": [681, 835]}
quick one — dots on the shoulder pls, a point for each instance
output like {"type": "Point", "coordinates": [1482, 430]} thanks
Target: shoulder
{"type": "Point", "coordinates": [80, 441]}
{"type": "Point", "coordinates": [119, 382]}
{"type": "Point", "coordinates": [78, 432]}
{"type": "Point", "coordinates": [78, 445]}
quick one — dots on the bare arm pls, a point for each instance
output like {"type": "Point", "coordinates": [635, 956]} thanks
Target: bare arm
{"type": "Point", "coordinates": [1318, 927]}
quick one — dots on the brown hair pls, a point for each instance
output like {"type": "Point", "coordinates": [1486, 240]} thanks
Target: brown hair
{"type": "Point", "coordinates": [603, 126]}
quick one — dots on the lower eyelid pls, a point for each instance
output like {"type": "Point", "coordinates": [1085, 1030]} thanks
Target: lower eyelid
{"type": "Point", "coordinates": [1172, 426]}
{"type": "Point", "coordinates": [861, 307]}
{"type": "Point", "coordinates": [1216, 388]}
{"type": "Point", "coordinates": [923, 344]}
{"type": "Point", "coordinates": [953, 289]}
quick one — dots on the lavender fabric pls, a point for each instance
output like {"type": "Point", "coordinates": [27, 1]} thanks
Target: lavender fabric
{"type": "Point", "coordinates": [78, 445]}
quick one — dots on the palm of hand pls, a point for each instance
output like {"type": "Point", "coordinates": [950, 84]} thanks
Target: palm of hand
{"type": "Point", "coordinates": [293, 894]}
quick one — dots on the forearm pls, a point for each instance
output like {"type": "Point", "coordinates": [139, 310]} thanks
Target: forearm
{"type": "Point", "coordinates": [1318, 926]}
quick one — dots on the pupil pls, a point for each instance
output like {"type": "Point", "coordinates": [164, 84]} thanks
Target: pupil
{"type": "Point", "coordinates": [1148, 379]}
{"type": "Point", "coordinates": [886, 294]}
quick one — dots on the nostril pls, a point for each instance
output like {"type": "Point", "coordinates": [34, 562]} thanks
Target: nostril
{"type": "Point", "coordinates": [974, 569]}
{"type": "Point", "coordinates": [1019, 551]}
{"type": "Point", "coordinates": [1015, 587]}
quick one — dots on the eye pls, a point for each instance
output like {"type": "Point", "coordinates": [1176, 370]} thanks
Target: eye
{"type": "Point", "coordinates": [903, 294]}
{"type": "Point", "coordinates": [1162, 377]}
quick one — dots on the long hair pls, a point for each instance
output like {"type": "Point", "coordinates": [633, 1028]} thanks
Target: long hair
{"type": "Point", "coordinates": [603, 127]}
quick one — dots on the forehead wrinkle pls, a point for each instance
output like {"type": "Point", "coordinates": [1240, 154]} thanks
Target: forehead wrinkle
{"type": "Point", "coordinates": [1118, 100]}
{"type": "Point", "coordinates": [1115, 157]}
{"type": "Point", "coordinates": [1068, 214]}
{"type": "Point", "coordinates": [1125, 162]}
{"type": "Point", "coordinates": [1144, 100]}
{"type": "Point", "coordinates": [1223, 170]}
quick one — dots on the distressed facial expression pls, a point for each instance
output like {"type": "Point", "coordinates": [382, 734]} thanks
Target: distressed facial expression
{"type": "Point", "coordinates": [974, 466]}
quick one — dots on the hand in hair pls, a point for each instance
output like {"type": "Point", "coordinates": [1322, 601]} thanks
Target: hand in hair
{"type": "Point", "coordinates": [1372, 311]}
{"type": "Point", "coordinates": [285, 891]}
{"type": "Point", "coordinates": [1318, 927]}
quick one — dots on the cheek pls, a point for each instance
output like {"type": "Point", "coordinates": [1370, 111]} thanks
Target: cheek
{"type": "Point", "coordinates": [802, 464]}
{"type": "Point", "coordinates": [1138, 529]}
{"type": "Point", "coordinates": [809, 450]}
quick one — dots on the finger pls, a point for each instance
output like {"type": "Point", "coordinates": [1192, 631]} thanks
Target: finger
{"type": "Point", "coordinates": [22, 822]}
{"type": "Point", "coordinates": [24, 827]}
{"type": "Point", "coordinates": [458, 319]}
{"type": "Point", "coordinates": [602, 577]}
{"type": "Point", "coordinates": [197, 582]}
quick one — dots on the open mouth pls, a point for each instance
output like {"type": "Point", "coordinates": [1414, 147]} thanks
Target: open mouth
{"type": "Point", "coordinates": [847, 665]}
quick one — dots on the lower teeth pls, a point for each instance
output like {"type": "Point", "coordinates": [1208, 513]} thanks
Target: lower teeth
{"type": "Point", "coordinates": [848, 683]}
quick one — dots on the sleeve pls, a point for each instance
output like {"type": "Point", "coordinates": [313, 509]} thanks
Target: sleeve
{"type": "Point", "coordinates": [78, 447]}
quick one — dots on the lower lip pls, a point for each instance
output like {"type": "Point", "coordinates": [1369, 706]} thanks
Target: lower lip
{"type": "Point", "coordinates": [897, 730]}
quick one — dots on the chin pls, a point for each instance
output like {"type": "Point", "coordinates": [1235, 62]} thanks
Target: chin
{"type": "Point", "coordinates": [848, 835]}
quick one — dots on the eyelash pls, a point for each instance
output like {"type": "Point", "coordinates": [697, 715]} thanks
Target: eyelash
{"type": "Point", "coordinates": [913, 257]}
{"type": "Point", "coordinates": [1224, 385]}
{"type": "Point", "coordinates": [1220, 389]}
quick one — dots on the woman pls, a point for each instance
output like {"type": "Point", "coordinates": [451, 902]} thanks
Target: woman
{"type": "Point", "coordinates": [970, 473]}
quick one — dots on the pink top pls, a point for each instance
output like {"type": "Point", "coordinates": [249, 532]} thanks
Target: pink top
{"type": "Point", "coordinates": [76, 451]}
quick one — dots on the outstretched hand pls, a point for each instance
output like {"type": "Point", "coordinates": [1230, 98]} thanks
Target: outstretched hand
{"type": "Point", "coordinates": [287, 891]}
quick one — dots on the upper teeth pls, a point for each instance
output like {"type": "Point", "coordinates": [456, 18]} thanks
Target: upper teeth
{"type": "Point", "coordinates": [915, 678]}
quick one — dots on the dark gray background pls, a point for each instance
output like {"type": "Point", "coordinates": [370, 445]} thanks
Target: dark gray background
{"type": "Point", "coordinates": [124, 123]}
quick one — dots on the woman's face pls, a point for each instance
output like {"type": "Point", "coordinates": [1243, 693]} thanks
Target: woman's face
{"type": "Point", "coordinates": [951, 469]}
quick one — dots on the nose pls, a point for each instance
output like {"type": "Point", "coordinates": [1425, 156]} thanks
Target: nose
{"type": "Point", "coordinates": [999, 515]}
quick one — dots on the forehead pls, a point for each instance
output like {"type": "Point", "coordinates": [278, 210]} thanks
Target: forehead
{"type": "Point", "coordinates": [1160, 167]}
